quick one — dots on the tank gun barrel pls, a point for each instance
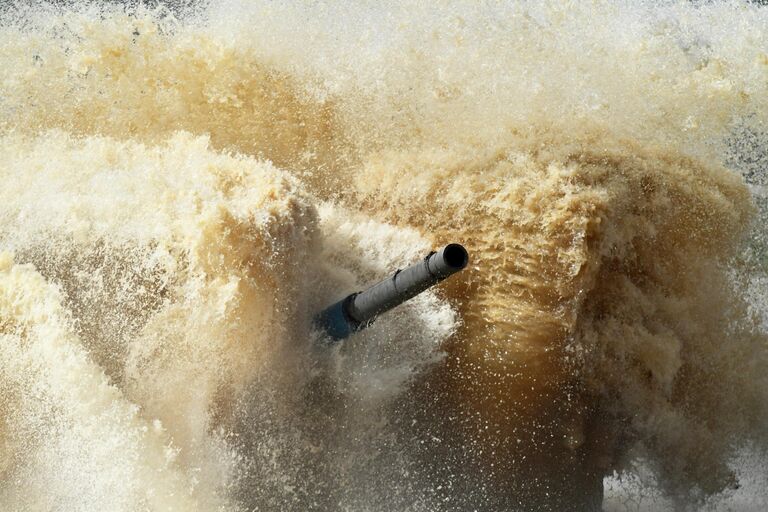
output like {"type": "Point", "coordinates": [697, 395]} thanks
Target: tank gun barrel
{"type": "Point", "coordinates": [358, 310]}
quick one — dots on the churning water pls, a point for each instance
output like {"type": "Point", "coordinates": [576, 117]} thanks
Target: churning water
{"type": "Point", "coordinates": [183, 186]}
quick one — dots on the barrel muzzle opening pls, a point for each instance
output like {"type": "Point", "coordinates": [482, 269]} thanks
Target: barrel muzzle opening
{"type": "Point", "coordinates": [456, 256]}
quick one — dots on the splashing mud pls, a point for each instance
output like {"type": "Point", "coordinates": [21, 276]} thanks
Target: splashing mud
{"type": "Point", "coordinates": [184, 186]}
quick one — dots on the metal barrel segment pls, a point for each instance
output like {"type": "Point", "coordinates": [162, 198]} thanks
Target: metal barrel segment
{"type": "Point", "coordinates": [358, 310]}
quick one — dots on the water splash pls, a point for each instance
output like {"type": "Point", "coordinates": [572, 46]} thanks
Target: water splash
{"type": "Point", "coordinates": [584, 151]}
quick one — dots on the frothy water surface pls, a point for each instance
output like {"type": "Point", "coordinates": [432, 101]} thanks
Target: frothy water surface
{"type": "Point", "coordinates": [184, 185]}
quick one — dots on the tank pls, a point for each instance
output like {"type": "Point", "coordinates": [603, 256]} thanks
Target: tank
{"type": "Point", "coordinates": [359, 310]}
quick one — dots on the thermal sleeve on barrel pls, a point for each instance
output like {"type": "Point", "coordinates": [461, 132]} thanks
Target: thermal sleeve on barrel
{"type": "Point", "coordinates": [358, 310]}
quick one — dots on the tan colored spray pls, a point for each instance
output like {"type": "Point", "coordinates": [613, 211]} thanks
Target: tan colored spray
{"type": "Point", "coordinates": [603, 319]}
